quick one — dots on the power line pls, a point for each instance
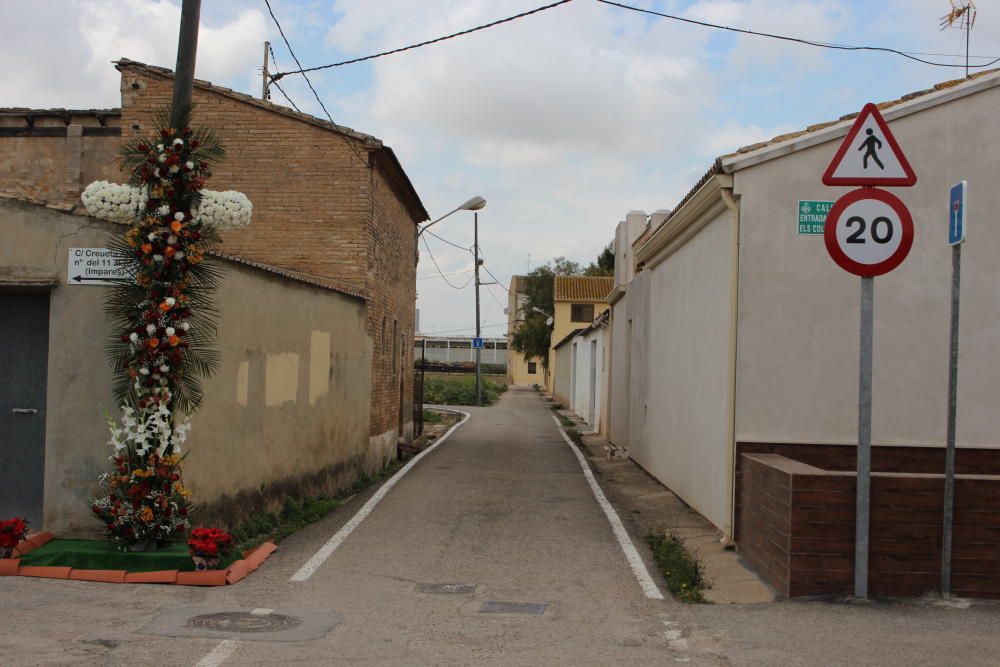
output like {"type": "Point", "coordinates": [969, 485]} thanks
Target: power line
{"type": "Point", "coordinates": [798, 40]}
{"type": "Point", "coordinates": [443, 277]}
{"type": "Point", "coordinates": [485, 326]}
{"type": "Point", "coordinates": [495, 279]}
{"type": "Point", "coordinates": [451, 273]}
{"type": "Point", "coordinates": [302, 70]}
{"type": "Point", "coordinates": [440, 238]}
{"type": "Point", "coordinates": [315, 94]}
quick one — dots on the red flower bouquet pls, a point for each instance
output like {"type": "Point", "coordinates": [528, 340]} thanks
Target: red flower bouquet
{"type": "Point", "coordinates": [208, 545]}
{"type": "Point", "coordinates": [12, 531]}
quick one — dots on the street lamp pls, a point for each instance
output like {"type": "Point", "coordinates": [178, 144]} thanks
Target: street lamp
{"type": "Point", "coordinates": [548, 318]}
{"type": "Point", "coordinates": [475, 204]}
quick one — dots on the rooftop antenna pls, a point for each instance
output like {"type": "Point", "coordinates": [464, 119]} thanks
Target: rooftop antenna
{"type": "Point", "coordinates": [961, 16]}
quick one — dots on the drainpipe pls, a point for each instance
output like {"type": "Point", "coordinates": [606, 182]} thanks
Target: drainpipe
{"type": "Point", "coordinates": [732, 202]}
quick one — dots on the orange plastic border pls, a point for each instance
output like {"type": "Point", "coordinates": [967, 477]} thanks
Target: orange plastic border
{"type": "Point", "coordinates": [237, 570]}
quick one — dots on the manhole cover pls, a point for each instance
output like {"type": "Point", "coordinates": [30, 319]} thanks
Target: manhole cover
{"type": "Point", "coordinates": [447, 588]}
{"type": "Point", "coordinates": [497, 607]}
{"type": "Point", "coordinates": [242, 621]}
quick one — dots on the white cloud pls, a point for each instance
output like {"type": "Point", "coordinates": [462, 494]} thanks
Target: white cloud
{"type": "Point", "coordinates": [82, 37]}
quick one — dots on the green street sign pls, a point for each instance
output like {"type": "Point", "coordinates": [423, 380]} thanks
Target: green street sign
{"type": "Point", "coordinates": [812, 216]}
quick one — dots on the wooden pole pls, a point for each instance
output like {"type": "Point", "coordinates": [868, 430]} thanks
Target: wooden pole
{"type": "Point", "coordinates": [187, 51]}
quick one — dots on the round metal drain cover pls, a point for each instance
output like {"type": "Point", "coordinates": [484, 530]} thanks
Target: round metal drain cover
{"type": "Point", "coordinates": [244, 621]}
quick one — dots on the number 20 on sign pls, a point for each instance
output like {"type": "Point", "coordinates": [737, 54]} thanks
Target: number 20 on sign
{"type": "Point", "coordinates": [868, 232]}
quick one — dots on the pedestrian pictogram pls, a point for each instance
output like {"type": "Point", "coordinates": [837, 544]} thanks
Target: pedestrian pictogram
{"type": "Point", "coordinates": [869, 155]}
{"type": "Point", "coordinates": [477, 343]}
{"type": "Point", "coordinates": [868, 232]}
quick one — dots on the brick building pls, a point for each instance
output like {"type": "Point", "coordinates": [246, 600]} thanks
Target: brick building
{"type": "Point", "coordinates": [330, 203]}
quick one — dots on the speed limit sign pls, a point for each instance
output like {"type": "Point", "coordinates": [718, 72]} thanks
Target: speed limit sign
{"type": "Point", "coordinates": [868, 232]}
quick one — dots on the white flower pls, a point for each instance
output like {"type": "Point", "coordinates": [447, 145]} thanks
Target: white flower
{"type": "Point", "coordinates": [163, 210]}
{"type": "Point", "coordinates": [164, 368]}
{"type": "Point", "coordinates": [185, 326]}
{"type": "Point", "coordinates": [179, 256]}
{"type": "Point", "coordinates": [113, 202]}
{"type": "Point", "coordinates": [171, 239]}
{"type": "Point", "coordinates": [157, 258]}
{"type": "Point", "coordinates": [178, 216]}
{"type": "Point", "coordinates": [151, 236]}
{"type": "Point", "coordinates": [189, 164]}
{"type": "Point", "coordinates": [159, 148]}
{"type": "Point", "coordinates": [151, 329]}
{"type": "Point", "coordinates": [174, 169]}
{"type": "Point", "coordinates": [134, 337]}
{"type": "Point", "coordinates": [170, 301]}
{"type": "Point", "coordinates": [162, 158]}
{"type": "Point", "coordinates": [224, 209]}
{"type": "Point", "coordinates": [170, 331]}
{"type": "Point", "coordinates": [178, 142]}
{"type": "Point", "coordinates": [156, 172]}
{"type": "Point", "coordinates": [143, 371]}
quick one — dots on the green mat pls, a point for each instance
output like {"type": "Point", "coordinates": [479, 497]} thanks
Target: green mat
{"type": "Point", "coordinates": [100, 555]}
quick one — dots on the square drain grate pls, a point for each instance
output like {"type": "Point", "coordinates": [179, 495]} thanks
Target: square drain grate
{"type": "Point", "coordinates": [527, 608]}
{"type": "Point", "coordinates": [453, 589]}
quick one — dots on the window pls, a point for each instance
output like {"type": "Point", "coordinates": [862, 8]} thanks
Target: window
{"type": "Point", "coordinates": [532, 368]}
{"type": "Point", "coordinates": [582, 312]}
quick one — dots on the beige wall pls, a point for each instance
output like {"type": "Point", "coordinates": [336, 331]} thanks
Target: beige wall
{"type": "Point", "coordinates": [517, 369]}
{"type": "Point", "coordinates": [287, 413]}
{"type": "Point", "coordinates": [682, 380]}
{"type": "Point", "coordinates": [798, 312]}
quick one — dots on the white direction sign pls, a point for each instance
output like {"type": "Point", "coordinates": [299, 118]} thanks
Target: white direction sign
{"type": "Point", "coordinates": [869, 155]}
{"type": "Point", "coordinates": [94, 266]}
{"type": "Point", "coordinates": [868, 232]}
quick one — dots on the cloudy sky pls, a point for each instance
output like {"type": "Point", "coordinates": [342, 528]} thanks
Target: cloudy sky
{"type": "Point", "coordinates": [563, 121]}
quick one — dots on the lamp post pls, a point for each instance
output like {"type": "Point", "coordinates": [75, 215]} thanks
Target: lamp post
{"type": "Point", "coordinates": [474, 204]}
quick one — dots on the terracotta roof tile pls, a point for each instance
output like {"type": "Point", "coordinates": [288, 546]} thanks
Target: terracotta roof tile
{"type": "Point", "coordinates": [583, 288]}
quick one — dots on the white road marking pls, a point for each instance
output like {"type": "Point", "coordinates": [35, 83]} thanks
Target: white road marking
{"type": "Point", "coordinates": [631, 555]}
{"type": "Point", "coordinates": [225, 648]}
{"type": "Point", "coordinates": [334, 542]}
{"type": "Point", "coordinates": [218, 655]}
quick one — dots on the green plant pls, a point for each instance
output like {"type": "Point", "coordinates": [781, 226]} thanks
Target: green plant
{"type": "Point", "coordinates": [459, 390]}
{"type": "Point", "coordinates": [431, 417]}
{"type": "Point", "coordinates": [684, 572]}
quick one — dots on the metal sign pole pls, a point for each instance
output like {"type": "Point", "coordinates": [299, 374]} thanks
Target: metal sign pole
{"type": "Point", "coordinates": [949, 457]}
{"type": "Point", "coordinates": [864, 440]}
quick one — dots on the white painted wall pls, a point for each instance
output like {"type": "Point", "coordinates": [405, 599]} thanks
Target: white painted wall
{"type": "Point", "coordinates": [587, 376]}
{"type": "Point", "coordinates": [797, 363]}
{"type": "Point", "coordinates": [681, 373]}
{"type": "Point", "coordinates": [618, 364]}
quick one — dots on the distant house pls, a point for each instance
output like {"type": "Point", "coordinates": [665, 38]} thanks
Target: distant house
{"type": "Point", "coordinates": [521, 370]}
{"type": "Point", "coordinates": [578, 301]}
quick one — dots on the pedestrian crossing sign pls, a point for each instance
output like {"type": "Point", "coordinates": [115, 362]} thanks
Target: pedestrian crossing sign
{"type": "Point", "coordinates": [869, 155]}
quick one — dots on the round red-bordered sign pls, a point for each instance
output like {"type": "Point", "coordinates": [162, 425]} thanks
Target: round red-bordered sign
{"type": "Point", "coordinates": [868, 232]}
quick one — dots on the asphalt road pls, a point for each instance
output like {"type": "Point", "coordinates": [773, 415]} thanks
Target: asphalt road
{"type": "Point", "coordinates": [503, 505]}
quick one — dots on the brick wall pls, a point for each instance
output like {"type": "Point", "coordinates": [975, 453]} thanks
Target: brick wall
{"type": "Point", "coordinates": [797, 530]}
{"type": "Point", "coordinates": [319, 209]}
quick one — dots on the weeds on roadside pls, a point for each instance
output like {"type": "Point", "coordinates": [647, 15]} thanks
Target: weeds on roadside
{"type": "Point", "coordinates": [432, 417]}
{"type": "Point", "coordinates": [296, 514]}
{"type": "Point", "coordinates": [460, 390]}
{"type": "Point", "coordinates": [684, 572]}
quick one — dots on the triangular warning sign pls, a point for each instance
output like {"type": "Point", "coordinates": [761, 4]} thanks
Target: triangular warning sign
{"type": "Point", "coordinates": [869, 155]}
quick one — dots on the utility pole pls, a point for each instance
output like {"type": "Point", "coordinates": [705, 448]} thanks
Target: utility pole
{"type": "Point", "coordinates": [187, 51]}
{"type": "Point", "coordinates": [265, 74]}
{"type": "Point", "coordinates": [479, 389]}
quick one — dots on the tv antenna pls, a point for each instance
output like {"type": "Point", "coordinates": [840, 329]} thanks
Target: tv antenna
{"type": "Point", "coordinates": [963, 17]}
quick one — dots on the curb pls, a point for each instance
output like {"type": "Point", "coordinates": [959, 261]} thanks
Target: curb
{"type": "Point", "coordinates": [237, 570]}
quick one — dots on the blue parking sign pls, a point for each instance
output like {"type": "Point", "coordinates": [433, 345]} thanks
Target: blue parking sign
{"type": "Point", "coordinates": [956, 213]}
{"type": "Point", "coordinates": [477, 343]}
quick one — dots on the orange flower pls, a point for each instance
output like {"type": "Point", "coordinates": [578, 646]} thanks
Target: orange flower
{"type": "Point", "coordinates": [164, 306]}
{"type": "Point", "coordinates": [174, 340]}
{"type": "Point", "coordinates": [147, 248]}
{"type": "Point", "coordinates": [170, 251]}
{"type": "Point", "coordinates": [175, 226]}
{"type": "Point", "coordinates": [154, 343]}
